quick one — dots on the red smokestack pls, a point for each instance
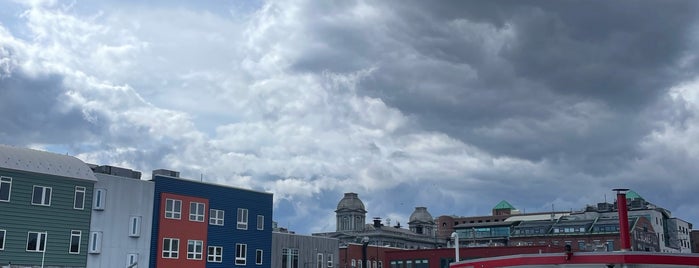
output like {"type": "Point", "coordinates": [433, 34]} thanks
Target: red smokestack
{"type": "Point", "coordinates": [623, 219]}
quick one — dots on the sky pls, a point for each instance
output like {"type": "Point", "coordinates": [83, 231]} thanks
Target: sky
{"type": "Point", "coordinates": [451, 105]}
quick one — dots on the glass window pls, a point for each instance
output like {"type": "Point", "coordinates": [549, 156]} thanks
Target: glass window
{"type": "Point", "coordinates": [258, 256]}
{"type": "Point", "coordinates": [36, 241]}
{"type": "Point", "coordinates": [319, 260]}
{"type": "Point", "coordinates": [173, 209]}
{"type": "Point", "coordinates": [2, 239]}
{"type": "Point", "coordinates": [132, 260]}
{"type": "Point", "coordinates": [330, 260]}
{"type": "Point", "coordinates": [240, 254]}
{"type": "Point", "coordinates": [216, 217]}
{"type": "Point", "coordinates": [79, 198]}
{"type": "Point", "coordinates": [242, 218]}
{"type": "Point", "coordinates": [135, 226]}
{"type": "Point", "coordinates": [41, 196]}
{"type": "Point", "coordinates": [215, 254]}
{"type": "Point", "coordinates": [195, 249]}
{"type": "Point", "coordinates": [75, 237]}
{"type": "Point", "coordinates": [98, 203]}
{"type": "Point", "coordinates": [196, 211]}
{"type": "Point", "coordinates": [260, 222]}
{"type": "Point", "coordinates": [5, 188]}
{"type": "Point", "coordinates": [290, 258]}
{"type": "Point", "coordinates": [171, 248]}
{"type": "Point", "coordinates": [95, 242]}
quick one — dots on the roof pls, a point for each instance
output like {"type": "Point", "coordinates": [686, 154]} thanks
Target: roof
{"type": "Point", "coordinates": [29, 160]}
{"type": "Point", "coordinates": [504, 205]}
{"type": "Point", "coordinates": [537, 217]}
{"type": "Point", "coordinates": [351, 201]}
{"type": "Point", "coordinates": [421, 215]}
{"type": "Point", "coordinates": [633, 195]}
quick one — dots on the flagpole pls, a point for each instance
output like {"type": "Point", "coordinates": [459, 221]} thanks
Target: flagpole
{"type": "Point", "coordinates": [43, 255]}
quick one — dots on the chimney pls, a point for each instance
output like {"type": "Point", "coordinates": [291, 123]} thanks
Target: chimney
{"type": "Point", "coordinates": [377, 222]}
{"type": "Point", "coordinates": [165, 172]}
{"type": "Point", "coordinates": [623, 219]}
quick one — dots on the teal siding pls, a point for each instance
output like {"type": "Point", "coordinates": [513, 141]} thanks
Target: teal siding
{"type": "Point", "coordinates": [19, 216]}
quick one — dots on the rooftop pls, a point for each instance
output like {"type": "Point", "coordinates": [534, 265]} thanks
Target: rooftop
{"type": "Point", "coordinates": [42, 162]}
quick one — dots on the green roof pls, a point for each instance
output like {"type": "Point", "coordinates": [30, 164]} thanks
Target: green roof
{"type": "Point", "coordinates": [503, 205]}
{"type": "Point", "coordinates": [632, 195]}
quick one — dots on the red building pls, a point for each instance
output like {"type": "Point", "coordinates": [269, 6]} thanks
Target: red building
{"type": "Point", "coordinates": [178, 231]}
{"type": "Point", "coordinates": [441, 258]}
{"type": "Point", "coordinates": [351, 256]}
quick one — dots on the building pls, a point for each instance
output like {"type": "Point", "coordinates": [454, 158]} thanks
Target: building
{"type": "Point", "coordinates": [586, 260]}
{"type": "Point", "coordinates": [694, 237]}
{"type": "Point", "coordinates": [351, 227]}
{"type": "Point", "coordinates": [292, 251]}
{"type": "Point", "coordinates": [193, 224]}
{"type": "Point", "coordinates": [122, 216]}
{"type": "Point", "coordinates": [45, 202]}
{"type": "Point", "coordinates": [358, 255]}
{"type": "Point", "coordinates": [443, 257]}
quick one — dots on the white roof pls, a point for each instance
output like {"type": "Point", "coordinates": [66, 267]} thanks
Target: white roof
{"type": "Point", "coordinates": [29, 160]}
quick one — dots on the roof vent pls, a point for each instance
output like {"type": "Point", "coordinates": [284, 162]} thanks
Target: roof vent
{"type": "Point", "coordinates": [166, 172]}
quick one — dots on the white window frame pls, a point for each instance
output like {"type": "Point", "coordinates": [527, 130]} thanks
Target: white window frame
{"type": "Point", "coordinates": [241, 252]}
{"type": "Point", "coordinates": [100, 198]}
{"type": "Point", "coordinates": [45, 198]}
{"type": "Point", "coordinates": [131, 259]}
{"type": "Point", "coordinates": [193, 253]}
{"type": "Point", "coordinates": [135, 226]}
{"type": "Point", "coordinates": [214, 218]}
{"type": "Point", "coordinates": [6, 182]}
{"type": "Point", "coordinates": [214, 256]}
{"type": "Point", "coordinates": [169, 252]}
{"type": "Point", "coordinates": [197, 211]}
{"type": "Point", "coordinates": [260, 222]}
{"type": "Point", "coordinates": [259, 256]}
{"type": "Point", "coordinates": [319, 260]}
{"type": "Point", "coordinates": [95, 245]}
{"type": "Point", "coordinates": [174, 214]}
{"type": "Point", "coordinates": [40, 239]}
{"type": "Point", "coordinates": [330, 260]}
{"type": "Point", "coordinates": [242, 219]}
{"type": "Point", "coordinates": [73, 235]}
{"type": "Point", "coordinates": [2, 244]}
{"type": "Point", "coordinates": [79, 190]}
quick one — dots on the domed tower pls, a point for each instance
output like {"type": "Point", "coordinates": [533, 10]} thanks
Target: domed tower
{"type": "Point", "coordinates": [351, 215]}
{"type": "Point", "coordinates": [421, 222]}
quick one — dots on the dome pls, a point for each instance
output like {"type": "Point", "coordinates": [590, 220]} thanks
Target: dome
{"type": "Point", "coordinates": [350, 202]}
{"type": "Point", "coordinates": [421, 215]}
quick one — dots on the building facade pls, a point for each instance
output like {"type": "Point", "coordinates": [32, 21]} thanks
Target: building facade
{"type": "Point", "coordinates": [294, 251]}
{"type": "Point", "coordinates": [198, 224]}
{"type": "Point", "coordinates": [45, 202]}
{"type": "Point", "coordinates": [122, 216]}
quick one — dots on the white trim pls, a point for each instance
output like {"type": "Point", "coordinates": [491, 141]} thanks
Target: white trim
{"type": "Point", "coordinates": [174, 214]}
{"type": "Point", "coordinates": [241, 255]}
{"type": "Point", "coordinates": [43, 196]}
{"type": "Point", "coordinates": [95, 244]}
{"type": "Point", "coordinates": [194, 253]}
{"type": "Point", "coordinates": [74, 233]}
{"type": "Point", "coordinates": [197, 214]}
{"type": "Point", "coordinates": [170, 251]}
{"type": "Point", "coordinates": [79, 189]}
{"type": "Point", "coordinates": [260, 222]}
{"type": "Point", "coordinates": [214, 256]}
{"type": "Point", "coordinates": [8, 180]}
{"type": "Point", "coordinates": [242, 219]}
{"type": "Point", "coordinates": [132, 260]}
{"type": "Point", "coordinates": [41, 237]}
{"type": "Point", "coordinates": [261, 253]}
{"type": "Point", "coordinates": [135, 226]}
{"type": "Point", "coordinates": [214, 217]}
{"type": "Point", "coordinates": [4, 235]}
{"type": "Point", "coordinates": [100, 198]}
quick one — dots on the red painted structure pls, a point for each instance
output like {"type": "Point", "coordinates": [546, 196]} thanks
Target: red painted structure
{"type": "Point", "coordinates": [439, 258]}
{"type": "Point", "coordinates": [623, 219]}
{"type": "Point", "coordinates": [182, 229]}
{"type": "Point", "coordinates": [586, 259]}
{"type": "Point", "coordinates": [373, 253]}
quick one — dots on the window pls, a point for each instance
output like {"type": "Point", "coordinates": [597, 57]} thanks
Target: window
{"type": "Point", "coordinates": [36, 241]}
{"type": "Point", "coordinates": [132, 260]}
{"type": "Point", "coordinates": [290, 258]}
{"type": "Point", "coordinates": [610, 245]}
{"type": "Point", "coordinates": [215, 254]}
{"type": "Point", "coordinates": [260, 222]}
{"type": "Point", "coordinates": [5, 188]}
{"type": "Point", "coordinates": [196, 211]}
{"type": "Point", "coordinates": [258, 256]}
{"type": "Point", "coordinates": [240, 254]}
{"type": "Point", "coordinates": [243, 218]}
{"type": "Point", "coordinates": [173, 209]}
{"type": "Point", "coordinates": [41, 196]}
{"type": "Point", "coordinates": [581, 245]}
{"type": "Point", "coordinates": [195, 249]}
{"type": "Point", "coordinates": [95, 242]}
{"type": "Point", "coordinates": [359, 264]}
{"type": "Point", "coordinates": [319, 260]}
{"type": "Point", "coordinates": [380, 264]}
{"type": "Point", "coordinates": [216, 217]}
{"type": "Point", "coordinates": [330, 260]}
{"type": "Point", "coordinates": [354, 263]}
{"type": "Point", "coordinates": [100, 195]}
{"type": "Point", "coordinates": [2, 239]}
{"type": "Point", "coordinates": [75, 236]}
{"type": "Point", "coordinates": [171, 248]}
{"type": "Point", "coordinates": [79, 199]}
{"type": "Point", "coordinates": [135, 226]}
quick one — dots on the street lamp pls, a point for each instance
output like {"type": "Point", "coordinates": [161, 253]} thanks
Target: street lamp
{"type": "Point", "coordinates": [365, 243]}
{"type": "Point", "coordinates": [456, 244]}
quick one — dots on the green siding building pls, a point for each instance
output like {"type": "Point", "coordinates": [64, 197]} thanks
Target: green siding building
{"type": "Point", "coordinates": [45, 206]}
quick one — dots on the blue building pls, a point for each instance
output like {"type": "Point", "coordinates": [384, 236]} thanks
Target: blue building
{"type": "Point", "coordinates": [198, 224]}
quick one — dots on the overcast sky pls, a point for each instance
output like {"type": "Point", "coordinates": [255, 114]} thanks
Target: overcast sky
{"type": "Point", "coordinates": [452, 105]}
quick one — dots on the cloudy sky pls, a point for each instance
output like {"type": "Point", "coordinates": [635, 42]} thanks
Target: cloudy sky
{"type": "Point", "coordinates": [452, 105]}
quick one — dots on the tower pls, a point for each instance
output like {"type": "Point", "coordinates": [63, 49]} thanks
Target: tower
{"type": "Point", "coordinates": [421, 222]}
{"type": "Point", "coordinates": [351, 214]}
